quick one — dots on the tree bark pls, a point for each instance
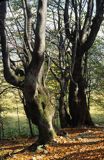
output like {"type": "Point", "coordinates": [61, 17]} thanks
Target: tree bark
{"type": "Point", "coordinates": [37, 101]}
{"type": "Point", "coordinates": [39, 109]}
{"type": "Point", "coordinates": [63, 112]}
{"type": "Point", "coordinates": [77, 97]}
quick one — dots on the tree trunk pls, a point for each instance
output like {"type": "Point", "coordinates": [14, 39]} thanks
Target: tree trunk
{"type": "Point", "coordinates": [40, 111]}
{"type": "Point", "coordinates": [37, 101]}
{"type": "Point", "coordinates": [77, 97]}
{"type": "Point", "coordinates": [37, 104]}
{"type": "Point", "coordinates": [30, 127]}
{"type": "Point", "coordinates": [81, 37]}
{"type": "Point", "coordinates": [64, 116]}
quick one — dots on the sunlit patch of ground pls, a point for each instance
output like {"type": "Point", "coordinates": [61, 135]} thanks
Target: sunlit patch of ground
{"type": "Point", "coordinates": [75, 144]}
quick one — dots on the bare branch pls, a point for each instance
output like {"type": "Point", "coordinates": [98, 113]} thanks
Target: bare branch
{"type": "Point", "coordinates": [9, 75]}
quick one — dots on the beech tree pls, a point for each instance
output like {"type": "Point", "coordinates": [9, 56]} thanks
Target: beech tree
{"type": "Point", "coordinates": [37, 103]}
{"type": "Point", "coordinates": [59, 58]}
{"type": "Point", "coordinates": [82, 21]}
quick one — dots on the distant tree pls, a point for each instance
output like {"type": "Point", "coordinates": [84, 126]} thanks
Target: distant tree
{"type": "Point", "coordinates": [59, 58]}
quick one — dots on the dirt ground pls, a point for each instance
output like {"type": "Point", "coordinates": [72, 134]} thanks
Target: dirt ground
{"type": "Point", "coordinates": [71, 144]}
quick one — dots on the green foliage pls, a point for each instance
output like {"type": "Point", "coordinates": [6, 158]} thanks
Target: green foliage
{"type": "Point", "coordinates": [96, 65]}
{"type": "Point", "coordinates": [16, 4]}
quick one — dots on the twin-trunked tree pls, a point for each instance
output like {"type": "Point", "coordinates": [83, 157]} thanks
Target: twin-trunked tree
{"type": "Point", "coordinates": [37, 103]}
{"type": "Point", "coordinates": [82, 23]}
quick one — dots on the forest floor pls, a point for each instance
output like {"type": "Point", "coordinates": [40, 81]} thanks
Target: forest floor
{"type": "Point", "coordinates": [71, 144]}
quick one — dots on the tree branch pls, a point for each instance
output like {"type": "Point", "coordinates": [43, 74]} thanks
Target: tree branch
{"type": "Point", "coordinates": [87, 21]}
{"type": "Point", "coordinates": [8, 74]}
{"type": "Point", "coordinates": [96, 23]}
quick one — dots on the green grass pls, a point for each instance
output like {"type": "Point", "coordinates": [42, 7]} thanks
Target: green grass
{"type": "Point", "coordinates": [97, 108]}
{"type": "Point", "coordinates": [14, 128]}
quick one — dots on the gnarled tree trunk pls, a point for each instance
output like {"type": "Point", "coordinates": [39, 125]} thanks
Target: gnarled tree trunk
{"type": "Point", "coordinates": [37, 105]}
{"type": "Point", "coordinates": [37, 101]}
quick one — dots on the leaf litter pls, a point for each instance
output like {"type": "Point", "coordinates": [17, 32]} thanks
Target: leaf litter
{"type": "Point", "coordinates": [74, 144]}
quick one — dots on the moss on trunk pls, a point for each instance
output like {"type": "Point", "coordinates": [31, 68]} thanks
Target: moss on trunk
{"type": "Point", "coordinates": [40, 110]}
